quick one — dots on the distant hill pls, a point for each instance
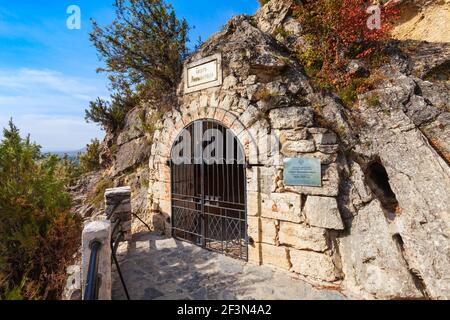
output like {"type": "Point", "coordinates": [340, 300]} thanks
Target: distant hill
{"type": "Point", "coordinates": [71, 154]}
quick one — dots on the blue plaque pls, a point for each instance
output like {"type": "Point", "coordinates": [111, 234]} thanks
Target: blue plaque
{"type": "Point", "coordinates": [302, 172]}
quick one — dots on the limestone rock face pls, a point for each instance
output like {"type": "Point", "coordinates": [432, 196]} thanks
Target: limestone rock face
{"type": "Point", "coordinates": [272, 15]}
{"type": "Point", "coordinates": [377, 266]}
{"type": "Point", "coordinates": [323, 212]}
{"type": "Point", "coordinates": [132, 129]}
{"type": "Point", "coordinates": [424, 20]}
{"type": "Point", "coordinates": [131, 154]}
{"type": "Point", "coordinates": [418, 176]}
{"type": "Point", "coordinates": [72, 290]}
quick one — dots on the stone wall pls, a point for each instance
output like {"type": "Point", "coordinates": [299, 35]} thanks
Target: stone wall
{"type": "Point", "coordinates": [290, 227]}
{"type": "Point", "coordinates": [343, 232]}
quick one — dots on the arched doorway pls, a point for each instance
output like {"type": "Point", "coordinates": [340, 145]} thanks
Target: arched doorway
{"type": "Point", "coordinates": [208, 189]}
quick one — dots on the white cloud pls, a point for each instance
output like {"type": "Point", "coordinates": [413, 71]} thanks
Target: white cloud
{"type": "Point", "coordinates": [55, 133]}
{"type": "Point", "coordinates": [50, 106]}
{"type": "Point", "coordinates": [31, 81]}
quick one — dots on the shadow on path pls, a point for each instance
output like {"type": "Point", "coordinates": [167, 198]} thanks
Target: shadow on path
{"type": "Point", "coordinates": [155, 267]}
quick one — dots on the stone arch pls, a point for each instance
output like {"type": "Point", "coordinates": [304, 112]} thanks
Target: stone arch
{"type": "Point", "coordinates": [226, 118]}
{"type": "Point", "coordinates": [242, 126]}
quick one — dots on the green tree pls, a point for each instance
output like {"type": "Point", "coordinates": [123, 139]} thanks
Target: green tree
{"type": "Point", "coordinates": [143, 50]}
{"type": "Point", "coordinates": [90, 159]}
{"type": "Point", "coordinates": [38, 234]}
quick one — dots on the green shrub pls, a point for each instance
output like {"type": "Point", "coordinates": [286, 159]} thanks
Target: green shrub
{"type": "Point", "coordinates": [96, 195]}
{"type": "Point", "coordinates": [38, 234]}
{"type": "Point", "coordinates": [90, 159]}
{"type": "Point", "coordinates": [336, 31]}
{"type": "Point", "coordinates": [111, 115]}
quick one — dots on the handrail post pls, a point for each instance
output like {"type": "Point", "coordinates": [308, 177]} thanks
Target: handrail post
{"type": "Point", "coordinates": [92, 281]}
{"type": "Point", "coordinates": [96, 256]}
{"type": "Point", "coordinates": [118, 206]}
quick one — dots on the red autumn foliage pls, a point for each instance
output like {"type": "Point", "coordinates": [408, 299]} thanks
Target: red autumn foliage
{"type": "Point", "coordinates": [338, 31]}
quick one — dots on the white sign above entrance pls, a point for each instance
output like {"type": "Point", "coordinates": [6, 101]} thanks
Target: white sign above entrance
{"type": "Point", "coordinates": [203, 74]}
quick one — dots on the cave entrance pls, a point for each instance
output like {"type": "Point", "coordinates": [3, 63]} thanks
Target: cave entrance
{"type": "Point", "coordinates": [378, 181]}
{"type": "Point", "coordinates": [208, 189]}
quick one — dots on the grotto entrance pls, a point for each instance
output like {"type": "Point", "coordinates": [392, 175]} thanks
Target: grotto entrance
{"type": "Point", "coordinates": [208, 189]}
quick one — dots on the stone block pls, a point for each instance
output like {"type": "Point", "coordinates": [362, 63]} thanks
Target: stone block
{"type": "Point", "coordinates": [249, 117]}
{"type": "Point", "coordinates": [117, 192]}
{"type": "Point", "coordinates": [328, 149]}
{"type": "Point", "coordinates": [72, 290]}
{"type": "Point", "coordinates": [294, 148]}
{"type": "Point", "coordinates": [325, 158]}
{"type": "Point", "coordinates": [312, 264]}
{"type": "Point", "coordinates": [165, 206]}
{"type": "Point", "coordinates": [253, 229]}
{"type": "Point", "coordinates": [292, 135]}
{"type": "Point", "coordinates": [328, 138]}
{"type": "Point", "coordinates": [323, 212]}
{"type": "Point", "coordinates": [97, 231]}
{"type": "Point", "coordinates": [253, 204]}
{"type": "Point", "coordinates": [116, 196]}
{"type": "Point", "coordinates": [303, 237]}
{"type": "Point", "coordinates": [275, 256]}
{"type": "Point", "coordinates": [291, 118]}
{"type": "Point", "coordinates": [123, 216]}
{"type": "Point", "coordinates": [282, 206]}
{"type": "Point", "coordinates": [263, 230]}
{"type": "Point", "coordinates": [126, 226]}
{"type": "Point", "coordinates": [267, 179]}
{"type": "Point", "coordinates": [269, 231]}
{"type": "Point", "coordinates": [252, 174]}
{"type": "Point", "coordinates": [268, 146]}
{"type": "Point", "coordinates": [254, 253]}
{"type": "Point", "coordinates": [124, 206]}
{"type": "Point", "coordinates": [229, 82]}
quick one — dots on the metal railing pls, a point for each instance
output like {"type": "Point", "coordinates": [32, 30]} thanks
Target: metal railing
{"type": "Point", "coordinates": [104, 235]}
{"type": "Point", "coordinates": [93, 278]}
{"type": "Point", "coordinates": [117, 235]}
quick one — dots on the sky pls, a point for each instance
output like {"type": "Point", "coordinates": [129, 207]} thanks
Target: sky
{"type": "Point", "coordinates": [48, 71]}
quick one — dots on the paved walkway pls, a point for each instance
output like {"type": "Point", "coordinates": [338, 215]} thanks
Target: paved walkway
{"type": "Point", "coordinates": [159, 268]}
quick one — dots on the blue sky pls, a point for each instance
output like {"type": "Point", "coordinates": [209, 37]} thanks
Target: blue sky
{"type": "Point", "coordinates": [47, 72]}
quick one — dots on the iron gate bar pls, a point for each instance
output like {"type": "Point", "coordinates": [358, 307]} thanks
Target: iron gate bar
{"type": "Point", "coordinates": [208, 200]}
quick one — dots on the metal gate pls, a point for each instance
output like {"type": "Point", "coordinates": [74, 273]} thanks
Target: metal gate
{"type": "Point", "coordinates": [208, 186]}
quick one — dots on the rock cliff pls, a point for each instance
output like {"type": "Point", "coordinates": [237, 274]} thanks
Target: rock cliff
{"type": "Point", "coordinates": [424, 20]}
{"type": "Point", "coordinates": [395, 178]}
